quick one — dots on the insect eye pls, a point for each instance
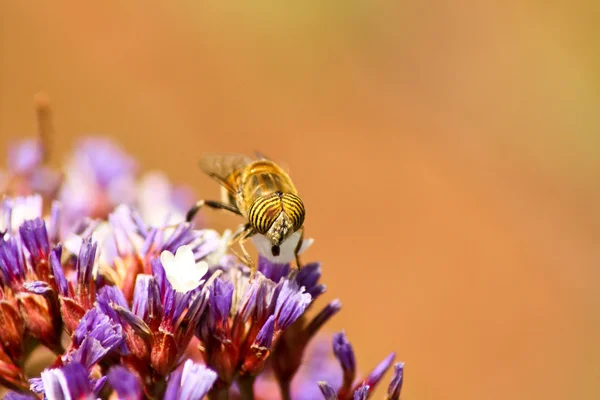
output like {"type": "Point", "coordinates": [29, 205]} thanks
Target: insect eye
{"type": "Point", "coordinates": [264, 212]}
{"type": "Point", "coordinates": [275, 250]}
{"type": "Point", "coordinates": [294, 208]}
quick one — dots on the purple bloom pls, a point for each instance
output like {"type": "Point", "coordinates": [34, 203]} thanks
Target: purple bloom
{"type": "Point", "coordinates": [37, 301]}
{"type": "Point", "coordinates": [106, 160]}
{"type": "Point", "coordinates": [25, 156]}
{"type": "Point", "coordinates": [130, 246]}
{"type": "Point", "coordinates": [26, 173]}
{"type": "Point", "coordinates": [396, 383]}
{"type": "Point", "coordinates": [125, 383]}
{"type": "Point", "coordinates": [291, 303]}
{"type": "Point", "coordinates": [161, 325]}
{"type": "Point", "coordinates": [12, 262]}
{"type": "Point", "coordinates": [69, 382]}
{"type": "Point", "coordinates": [95, 337]}
{"type": "Point", "coordinates": [35, 238]}
{"type": "Point", "coordinates": [18, 396]}
{"type": "Point", "coordinates": [362, 392]}
{"type": "Point", "coordinates": [245, 320]}
{"type": "Point", "coordinates": [192, 382]}
{"type": "Point", "coordinates": [328, 392]}
{"type": "Point", "coordinates": [77, 296]}
{"type": "Point", "coordinates": [114, 266]}
{"type": "Point", "coordinates": [345, 354]}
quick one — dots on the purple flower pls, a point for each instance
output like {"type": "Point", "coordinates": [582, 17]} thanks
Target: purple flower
{"type": "Point", "coordinates": [345, 354]}
{"type": "Point", "coordinates": [291, 303]}
{"type": "Point", "coordinates": [12, 262]}
{"type": "Point", "coordinates": [328, 392]}
{"type": "Point", "coordinates": [396, 383]}
{"type": "Point", "coordinates": [192, 382]}
{"type": "Point", "coordinates": [98, 177]}
{"type": "Point", "coordinates": [143, 295]}
{"type": "Point", "coordinates": [95, 337]}
{"type": "Point", "coordinates": [78, 295]}
{"type": "Point", "coordinates": [18, 396]}
{"type": "Point", "coordinates": [160, 325]}
{"type": "Point", "coordinates": [25, 156]}
{"type": "Point", "coordinates": [35, 238]}
{"type": "Point", "coordinates": [362, 392]}
{"type": "Point", "coordinates": [37, 301]}
{"type": "Point", "coordinates": [126, 384]}
{"type": "Point", "coordinates": [69, 382]}
{"type": "Point", "coordinates": [26, 172]}
{"type": "Point", "coordinates": [246, 319]}
{"type": "Point", "coordinates": [129, 246]}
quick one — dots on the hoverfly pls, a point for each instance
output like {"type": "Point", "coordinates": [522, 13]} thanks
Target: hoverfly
{"type": "Point", "coordinates": [263, 193]}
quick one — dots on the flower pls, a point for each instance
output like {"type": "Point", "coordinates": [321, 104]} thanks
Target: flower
{"type": "Point", "coordinates": [126, 384]}
{"type": "Point", "coordinates": [192, 382]}
{"type": "Point", "coordinates": [69, 382]}
{"type": "Point", "coordinates": [342, 349]}
{"type": "Point", "coordinates": [100, 267]}
{"type": "Point", "coordinates": [160, 324]}
{"type": "Point", "coordinates": [246, 320]}
{"type": "Point", "coordinates": [16, 210]}
{"type": "Point", "coordinates": [95, 337]}
{"type": "Point", "coordinates": [182, 271]}
{"type": "Point", "coordinates": [25, 277]}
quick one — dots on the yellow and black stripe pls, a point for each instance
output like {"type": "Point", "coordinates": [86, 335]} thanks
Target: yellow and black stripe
{"type": "Point", "coordinates": [264, 212]}
{"type": "Point", "coordinates": [266, 209]}
{"type": "Point", "coordinates": [294, 208]}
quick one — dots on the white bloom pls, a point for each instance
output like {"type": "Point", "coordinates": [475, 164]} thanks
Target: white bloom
{"type": "Point", "coordinates": [215, 257]}
{"type": "Point", "coordinates": [155, 202]}
{"type": "Point", "coordinates": [181, 269]}
{"type": "Point", "coordinates": [286, 250]}
{"type": "Point", "coordinates": [55, 384]}
{"type": "Point", "coordinates": [21, 210]}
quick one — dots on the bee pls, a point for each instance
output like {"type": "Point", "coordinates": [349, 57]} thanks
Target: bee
{"type": "Point", "coordinates": [263, 194]}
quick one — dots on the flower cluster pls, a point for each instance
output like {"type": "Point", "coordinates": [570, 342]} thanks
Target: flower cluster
{"type": "Point", "coordinates": [98, 268]}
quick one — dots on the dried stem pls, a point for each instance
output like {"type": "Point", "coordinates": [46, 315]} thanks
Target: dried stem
{"type": "Point", "coordinates": [246, 386]}
{"type": "Point", "coordinates": [285, 389]}
{"type": "Point", "coordinates": [45, 128]}
{"type": "Point", "coordinates": [219, 394]}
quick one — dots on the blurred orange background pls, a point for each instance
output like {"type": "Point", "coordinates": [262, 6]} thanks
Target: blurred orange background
{"type": "Point", "coordinates": [447, 153]}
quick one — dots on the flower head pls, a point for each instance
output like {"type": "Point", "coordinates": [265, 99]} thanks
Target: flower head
{"type": "Point", "coordinates": [69, 382]}
{"type": "Point", "coordinates": [98, 265]}
{"type": "Point", "coordinates": [246, 319]}
{"type": "Point", "coordinates": [192, 382]}
{"type": "Point", "coordinates": [182, 271]}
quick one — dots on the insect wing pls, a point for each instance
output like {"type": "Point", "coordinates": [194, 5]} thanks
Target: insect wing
{"type": "Point", "coordinates": [222, 167]}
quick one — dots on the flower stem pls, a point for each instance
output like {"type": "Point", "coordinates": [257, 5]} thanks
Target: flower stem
{"type": "Point", "coordinates": [219, 394]}
{"type": "Point", "coordinates": [246, 385]}
{"type": "Point", "coordinates": [285, 388]}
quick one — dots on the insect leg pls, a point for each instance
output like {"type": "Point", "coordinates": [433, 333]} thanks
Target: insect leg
{"type": "Point", "coordinates": [217, 205]}
{"type": "Point", "coordinates": [240, 236]}
{"type": "Point", "coordinates": [298, 247]}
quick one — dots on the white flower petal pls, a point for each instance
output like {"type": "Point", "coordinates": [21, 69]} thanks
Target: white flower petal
{"type": "Point", "coordinates": [181, 269]}
{"type": "Point", "coordinates": [167, 259]}
{"type": "Point", "coordinates": [184, 258]}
